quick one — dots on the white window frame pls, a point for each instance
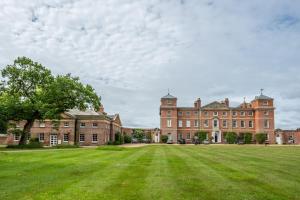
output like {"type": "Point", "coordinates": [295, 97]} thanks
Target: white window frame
{"type": "Point", "coordinates": [180, 136]}
{"type": "Point", "coordinates": [65, 138]}
{"type": "Point", "coordinates": [41, 139]}
{"type": "Point", "coordinates": [16, 137]}
{"type": "Point", "coordinates": [81, 134]}
{"type": "Point", "coordinates": [169, 123]}
{"type": "Point", "coordinates": [94, 141]}
{"type": "Point", "coordinates": [82, 124]}
{"type": "Point", "coordinates": [188, 136]}
{"type": "Point", "coordinates": [217, 125]}
{"type": "Point", "coordinates": [66, 124]}
{"type": "Point", "coordinates": [234, 113]}
{"type": "Point", "coordinates": [188, 113]}
{"type": "Point", "coordinates": [206, 113]}
{"type": "Point", "coordinates": [234, 123]}
{"type": "Point", "coordinates": [196, 123]}
{"type": "Point", "coordinates": [243, 125]}
{"type": "Point", "coordinates": [42, 125]}
{"type": "Point", "coordinates": [179, 113]}
{"type": "Point", "coordinates": [188, 123]}
{"type": "Point", "coordinates": [215, 113]}
{"type": "Point", "coordinates": [268, 123]}
{"type": "Point", "coordinates": [95, 123]}
{"type": "Point", "coordinates": [196, 113]}
{"type": "Point", "coordinates": [251, 122]}
{"type": "Point", "coordinates": [180, 123]}
{"type": "Point", "coordinates": [250, 113]}
{"type": "Point", "coordinates": [225, 113]}
{"type": "Point", "coordinates": [169, 113]}
{"type": "Point", "coordinates": [265, 103]}
{"type": "Point", "coordinates": [242, 113]}
{"type": "Point", "coordinates": [206, 123]}
{"type": "Point", "coordinates": [225, 123]}
{"type": "Point", "coordinates": [266, 113]}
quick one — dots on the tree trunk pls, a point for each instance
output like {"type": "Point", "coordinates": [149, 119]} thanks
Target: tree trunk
{"type": "Point", "coordinates": [26, 131]}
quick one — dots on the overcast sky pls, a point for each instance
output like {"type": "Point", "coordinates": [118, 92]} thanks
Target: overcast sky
{"type": "Point", "coordinates": [132, 51]}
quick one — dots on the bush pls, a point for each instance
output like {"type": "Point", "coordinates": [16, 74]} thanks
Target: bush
{"type": "Point", "coordinates": [248, 138]}
{"type": "Point", "coordinates": [127, 139]}
{"type": "Point", "coordinates": [164, 138]}
{"type": "Point", "coordinates": [110, 143]}
{"type": "Point", "coordinates": [33, 144]}
{"type": "Point", "coordinates": [202, 135]}
{"type": "Point", "coordinates": [261, 138]}
{"type": "Point", "coordinates": [118, 139]}
{"type": "Point", "coordinates": [66, 146]}
{"type": "Point", "coordinates": [230, 137]}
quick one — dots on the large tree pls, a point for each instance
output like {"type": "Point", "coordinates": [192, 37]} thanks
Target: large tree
{"type": "Point", "coordinates": [30, 92]}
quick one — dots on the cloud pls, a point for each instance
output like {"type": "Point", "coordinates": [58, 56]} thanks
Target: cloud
{"type": "Point", "coordinates": [132, 51]}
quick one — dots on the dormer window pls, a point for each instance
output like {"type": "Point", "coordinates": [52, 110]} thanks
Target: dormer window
{"type": "Point", "coordinates": [169, 102]}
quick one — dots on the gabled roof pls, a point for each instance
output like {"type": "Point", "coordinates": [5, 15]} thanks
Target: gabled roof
{"type": "Point", "coordinates": [77, 112]}
{"type": "Point", "coordinates": [263, 97]}
{"type": "Point", "coordinates": [168, 96]}
{"type": "Point", "coordinates": [214, 105]}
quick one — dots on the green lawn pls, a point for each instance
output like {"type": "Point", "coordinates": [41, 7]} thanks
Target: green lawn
{"type": "Point", "coordinates": [153, 172]}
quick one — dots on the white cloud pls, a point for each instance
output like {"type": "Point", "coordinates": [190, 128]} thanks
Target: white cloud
{"type": "Point", "coordinates": [131, 51]}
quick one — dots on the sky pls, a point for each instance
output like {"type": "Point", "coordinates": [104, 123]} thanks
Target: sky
{"type": "Point", "coordinates": [133, 51]}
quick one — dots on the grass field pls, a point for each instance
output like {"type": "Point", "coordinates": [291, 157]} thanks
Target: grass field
{"type": "Point", "coordinates": [153, 172]}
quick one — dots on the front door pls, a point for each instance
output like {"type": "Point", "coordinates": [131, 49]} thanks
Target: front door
{"type": "Point", "coordinates": [278, 139]}
{"type": "Point", "coordinates": [216, 136]}
{"type": "Point", "coordinates": [53, 140]}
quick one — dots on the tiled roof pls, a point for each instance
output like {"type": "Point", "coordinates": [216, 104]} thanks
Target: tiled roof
{"type": "Point", "coordinates": [77, 112]}
{"type": "Point", "coordinates": [215, 104]}
{"type": "Point", "coordinates": [168, 96]}
{"type": "Point", "coordinates": [263, 97]}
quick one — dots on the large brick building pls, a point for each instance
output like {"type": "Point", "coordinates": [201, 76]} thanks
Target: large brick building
{"type": "Point", "coordinates": [287, 136]}
{"type": "Point", "coordinates": [216, 118]}
{"type": "Point", "coordinates": [81, 127]}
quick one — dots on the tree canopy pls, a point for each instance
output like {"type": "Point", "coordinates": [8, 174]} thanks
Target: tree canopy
{"type": "Point", "coordinates": [29, 91]}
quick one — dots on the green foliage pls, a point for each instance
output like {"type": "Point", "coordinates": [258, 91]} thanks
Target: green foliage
{"type": "Point", "coordinates": [65, 146]}
{"type": "Point", "coordinates": [230, 137]}
{"type": "Point", "coordinates": [118, 139]}
{"type": "Point", "coordinates": [248, 138]}
{"type": "Point", "coordinates": [202, 135]}
{"type": "Point", "coordinates": [30, 92]}
{"type": "Point", "coordinates": [138, 134]}
{"type": "Point", "coordinates": [33, 144]}
{"type": "Point", "coordinates": [261, 138]}
{"type": "Point", "coordinates": [127, 139]}
{"type": "Point", "coordinates": [164, 138]}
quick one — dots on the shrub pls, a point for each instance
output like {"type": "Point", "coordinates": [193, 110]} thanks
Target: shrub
{"type": "Point", "coordinates": [118, 139]}
{"type": "Point", "coordinates": [110, 143]}
{"type": "Point", "coordinates": [164, 138]}
{"type": "Point", "coordinates": [230, 137]}
{"type": "Point", "coordinates": [261, 138]}
{"type": "Point", "coordinates": [127, 139]}
{"type": "Point", "coordinates": [248, 138]}
{"type": "Point", "coordinates": [202, 135]}
{"type": "Point", "coordinates": [66, 146]}
{"type": "Point", "coordinates": [33, 144]}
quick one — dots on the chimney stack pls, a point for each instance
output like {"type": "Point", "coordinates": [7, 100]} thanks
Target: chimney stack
{"type": "Point", "coordinates": [227, 102]}
{"type": "Point", "coordinates": [197, 103]}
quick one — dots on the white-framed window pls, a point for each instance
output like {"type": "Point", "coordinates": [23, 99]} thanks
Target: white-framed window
{"type": "Point", "coordinates": [206, 113]}
{"type": "Point", "coordinates": [250, 124]}
{"type": "Point", "coordinates": [224, 113]}
{"type": "Point", "coordinates": [224, 123]}
{"type": "Point", "coordinates": [179, 113]}
{"type": "Point", "coordinates": [215, 113]}
{"type": "Point", "coordinates": [42, 124]}
{"type": "Point", "coordinates": [196, 123]}
{"type": "Point", "coordinates": [179, 136]}
{"type": "Point", "coordinates": [266, 113]}
{"type": "Point", "coordinates": [250, 113]}
{"type": "Point", "coordinates": [18, 125]}
{"type": "Point", "coordinates": [28, 136]}
{"type": "Point", "coordinates": [169, 113]}
{"type": "Point", "coordinates": [188, 136]}
{"type": "Point", "coordinates": [188, 113]}
{"type": "Point", "coordinates": [95, 124]}
{"type": "Point", "coordinates": [169, 102]}
{"type": "Point", "coordinates": [41, 137]}
{"type": "Point", "coordinates": [169, 123]}
{"type": "Point", "coordinates": [16, 137]}
{"type": "Point", "coordinates": [196, 113]}
{"type": "Point", "coordinates": [265, 103]}
{"type": "Point", "coordinates": [82, 124]}
{"type": "Point", "coordinates": [66, 137]}
{"type": "Point", "coordinates": [242, 113]}
{"type": "Point", "coordinates": [188, 123]}
{"type": "Point", "coordinates": [66, 124]}
{"type": "Point", "coordinates": [234, 123]}
{"type": "Point", "coordinates": [95, 137]}
{"type": "Point", "coordinates": [179, 123]}
{"type": "Point", "coordinates": [206, 123]}
{"type": "Point", "coordinates": [216, 123]}
{"type": "Point", "coordinates": [266, 124]}
{"type": "Point", "coordinates": [81, 137]}
{"type": "Point", "coordinates": [234, 113]}
{"type": "Point", "coordinates": [242, 124]}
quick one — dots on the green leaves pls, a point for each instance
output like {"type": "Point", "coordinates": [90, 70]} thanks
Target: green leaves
{"type": "Point", "coordinates": [29, 91]}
